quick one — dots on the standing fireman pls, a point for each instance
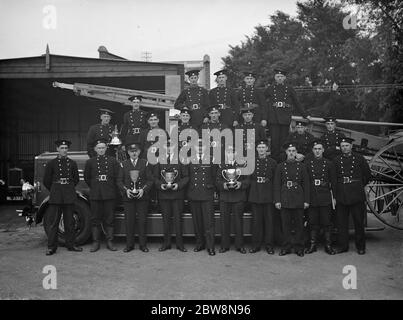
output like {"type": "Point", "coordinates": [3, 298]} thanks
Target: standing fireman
{"type": "Point", "coordinates": [60, 178]}
{"type": "Point", "coordinates": [200, 193]}
{"type": "Point", "coordinates": [291, 196]}
{"type": "Point", "coordinates": [171, 178]}
{"type": "Point", "coordinates": [331, 139]}
{"type": "Point", "coordinates": [353, 174]}
{"type": "Point", "coordinates": [281, 101]}
{"type": "Point", "coordinates": [261, 200]}
{"type": "Point", "coordinates": [248, 123]}
{"type": "Point", "coordinates": [232, 200]}
{"type": "Point", "coordinates": [101, 174]}
{"type": "Point", "coordinates": [195, 98]}
{"type": "Point", "coordinates": [323, 183]}
{"type": "Point", "coordinates": [183, 124]}
{"type": "Point", "coordinates": [147, 138]}
{"type": "Point", "coordinates": [135, 182]}
{"type": "Point", "coordinates": [303, 140]}
{"type": "Point", "coordinates": [226, 100]}
{"type": "Point", "coordinates": [101, 130]}
{"type": "Point", "coordinates": [251, 97]}
{"type": "Point", "coordinates": [133, 121]}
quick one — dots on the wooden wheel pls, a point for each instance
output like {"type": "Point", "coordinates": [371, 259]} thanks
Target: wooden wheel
{"type": "Point", "coordinates": [385, 191]}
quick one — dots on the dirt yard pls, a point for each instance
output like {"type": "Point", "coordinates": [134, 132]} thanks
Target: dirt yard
{"type": "Point", "coordinates": [176, 275]}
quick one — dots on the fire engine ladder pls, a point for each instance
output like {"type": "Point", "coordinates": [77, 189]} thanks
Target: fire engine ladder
{"type": "Point", "coordinates": [150, 100]}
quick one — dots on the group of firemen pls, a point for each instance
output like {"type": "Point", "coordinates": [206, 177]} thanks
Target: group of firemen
{"type": "Point", "coordinates": [299, 179]}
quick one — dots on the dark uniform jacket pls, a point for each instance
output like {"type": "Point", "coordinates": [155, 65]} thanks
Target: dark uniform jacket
{"type": "Point", "coordinates": [322, 177]}
{"type": "Point", "coordinates": [96, 132]}
{"type": "Point", "coordinates": [202, 178]}
{"type": "Point", "coordinates": [61, 177]}
{"type": "Point", "coordinates": [303, 141]}
{"type": "Point", "coordinates": [260, 132]}
{"type": "Point", "coordinates": [291, 185]}
{"type": "Point", "coordinates": [182, 179]}
{"type": "Point", "coordinates": [182, 127]}
{"type": "Point", "coordinates": [352, 173]}
{"type": "Point", "coordinates": [145, 179]}
{"type": "Point", "coordinates": [261, 180]}
{"type": "Point", "coordinates": [286, 95]}
{"type": "Point", "coordinates": [134, 121]}
{"type": "Point", "coordinates": [101, 175]}
{"type": "Point", "coordinates": [147, 144]}
{"type": "Point", "coordinates": [232, 195]}
{"type": "Point", "coordinates": [251, 95]}
{"type": "Point", "coordinates": [197, 100]}
{"type": "Point", "coordinates": [228, 104]}
{"type": "Point", "coordinates": [331, 142]}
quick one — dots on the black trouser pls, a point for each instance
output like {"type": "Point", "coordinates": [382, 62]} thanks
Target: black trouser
{"type": "Point", "coordinates": [55, 214]}
{"type": "Point", "coordinates": [278, 134]}
{"type": "Point", "coordinates": [319, 217]}
{"type": "Point", "coordinates": [293, 223]}
{"type": "Point", "coordinates": [357, 211]}
{"type": "Point", "coordinates": [173, 208]}
{"type": "Point", "coordinates": [226, 209]}
{"type": "Point", "coordinates": [263, 224]}
{"type": "Point", "coordinates": [203, 222]}
{"type": "Point", "coordinates": [102, 211]}
{"type": "Point", "coordinates": [133, 208]}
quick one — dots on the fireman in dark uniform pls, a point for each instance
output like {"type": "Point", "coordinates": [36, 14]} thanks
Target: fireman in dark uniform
{"type": "Point", "coordinates": [225, 98]}
{"type": "Point", "coordinates": [331, 139]}
{"type": "Point", "coordinates": [171, 178]}
{"type": "Point", "coordinates": [195, 98]}
{"type": "Point", "coordinates": [183, 126]}
{"type": "Point", "coordinates": [60, 178]}
{"type": "Point", "coordinates": [135, 182]}
{"type": "Point", "coordinates": [323, 181]}
{"type": "Point", "coordinates": [232, 186]}
{"type": "Point", "coordinates": [281, 100]}
{"type": "Point", "coordinates": [214, 123]}
{"type": "Point", "coordinates": [200, 193]}
{"type": "Point", "coordinates": [153, 123]}
{"type": "Point", "coordinates": [291, 196]}
{"type": "Point", "coordinates": [101, 130]}
{"type": "Point", "coordinates": [302, 139]}
{"type": "Point", "coordinates": [250, 96]}
{"type": "Point", "coordinates": [248, 113]}
{"type": "Point", "coordinates": [353, 174]}
{"type": "Point", "coordinates": [261, 200]}
{"type": "Point", "coordinates": [101, 175]}
{"type": "Point", "coordinates": [133, 121]}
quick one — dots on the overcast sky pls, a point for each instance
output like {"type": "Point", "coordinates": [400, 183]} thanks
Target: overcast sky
{"type": "Point", "coordinates": [170, 30]}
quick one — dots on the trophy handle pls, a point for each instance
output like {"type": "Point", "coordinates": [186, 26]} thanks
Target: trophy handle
{"type": "Point", "coordinates": [238, 172]}
{"type": "Point", "coordinates": [163, 175]}
{"type": "Point", "coordinates": [223, 175]}
{"type": "Point", "coordinates": [176, 174]}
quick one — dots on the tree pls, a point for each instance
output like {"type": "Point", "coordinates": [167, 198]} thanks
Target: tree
{"type": "Point", "coordinates": [317, 49]}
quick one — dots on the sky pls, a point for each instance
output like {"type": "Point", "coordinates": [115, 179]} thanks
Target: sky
{"type": "Point", "coordinates": [171, 30]}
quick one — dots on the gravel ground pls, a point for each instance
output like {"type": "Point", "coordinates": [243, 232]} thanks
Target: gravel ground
{"type": "Point", "coordinates": [176, 275]}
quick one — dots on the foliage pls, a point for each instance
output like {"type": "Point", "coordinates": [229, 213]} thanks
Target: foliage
{"type": "Point", "coordinates": [318, 50]}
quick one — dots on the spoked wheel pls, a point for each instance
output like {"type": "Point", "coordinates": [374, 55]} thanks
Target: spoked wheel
{"type": "Point", "coordinates": [385, 192]}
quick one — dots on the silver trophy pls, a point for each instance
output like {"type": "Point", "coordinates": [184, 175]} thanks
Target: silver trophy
{"type": "Point", "coordinates": [169, 177]}
{"type": "Point", "coordinates": [231, 176]}
{"type": "Point", "coordinates": [134, 176]}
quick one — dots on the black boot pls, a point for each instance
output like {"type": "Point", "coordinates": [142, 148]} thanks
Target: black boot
{"type": "Point", "coordinates": [95, 239]}
{"type": "Point", "coordinates": [312, 247]}
{"type": "Point", "coordinates": [328, 244]}
{"type": "Point", "coordinates": [109, 238]}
